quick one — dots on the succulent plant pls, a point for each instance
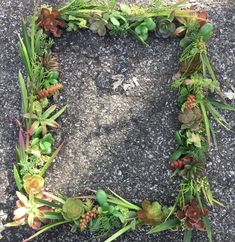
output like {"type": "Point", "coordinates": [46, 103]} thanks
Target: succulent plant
{"type": "Point", "coordinates": [50, 22]}
{"type": "Point", "coordinates": [202, 17]}
{"type": "Point", "coordinates": [98, 25]}
{"type": "Point", "coordinates": [191, 118]}
{"type": "Point", "coordinates": [191, 215]}
{"type": "Point", "coordinates": [165, 27]}
{"type": "Point", "coordinates": [50, 62]}
{"type": "Point", "coordinates": [73, 209]}
{"type": "Point", "coordinates": [206, 31]}
{"type": "Point", "coordinates": [101, 197]}
{"type": "Point", "coordinates": [152, 213]}
{"type": "Point", "coordinates": [33, 184]}
{"type": "Point", "coordinates": [180, 163]}
{"type": "Point", "coordinates": [28, 212]}
{"type": "Point", "coordinates": [193, 170]}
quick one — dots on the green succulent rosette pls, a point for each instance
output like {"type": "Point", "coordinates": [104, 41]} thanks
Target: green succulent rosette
{"type": "Point", "coordinates": [73, 209]}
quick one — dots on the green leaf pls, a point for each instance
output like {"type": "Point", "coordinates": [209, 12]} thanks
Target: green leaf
{"type": "Point", "coordinates": [114, 21]}
{"type": "Point", "coordinates": [122, 201]}
{"type": "Point", "coordinates": [47, 113]}
{"type": "Point", "coordinates": [206, 121]}
{"type": "Point", "coordinates": [26, 38]}
{"type": "Point", "coordinates": [112, 4]}
{"type": "Point", "coordinates": [187, 236]}
{"type": "Point", "coordinates": [45, 228]}
{"type": "Point", "coordinates": [177, 153]}
{"type": "Point", "coordinates": [217, 116]}
{"type": "Point", "coordinates": [169, 224]}
{"type": "Point", "coordinates": [55, 116]}
{"type": "Point", "coordinates": [220, 104]}
{"type": "Point", "coordinates": [53, 216]}
{"type": "Point", "coordinates": [47, 203]}
{"type": "Point", "coordinates": [208, 227]}
{"type": "Point", "coordinates": [119, 233]}
{"type": "Point", "coordinates": [50, 122]}
{"type": "Point", "coordinates": [24, 93]}
{"type": "Point", "coordinates": [18, 179]}
{"type": "Point", "coordinates": [125, 9]}
{"type": "Point", "coordinates": [49, 161]}
{"type": "Point", "coordinates": [25, 56]}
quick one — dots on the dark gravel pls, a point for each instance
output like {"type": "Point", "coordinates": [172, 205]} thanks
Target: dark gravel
{"type": "Point", "coordinates": [117, 139]}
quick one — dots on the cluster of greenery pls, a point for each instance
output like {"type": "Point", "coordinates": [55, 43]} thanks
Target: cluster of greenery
{"type": "Point", "coordinates": [104, 213]}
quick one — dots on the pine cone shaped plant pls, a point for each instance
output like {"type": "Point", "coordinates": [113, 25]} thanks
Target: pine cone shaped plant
{"type": "Point", "coordinates": [191, 102]}
{"type": "Point", "coordinates": [87, 217]}
{"type": "Point", "coordinates": [50, 62]}
{"type": "Point", "coordinates": [45, 92]}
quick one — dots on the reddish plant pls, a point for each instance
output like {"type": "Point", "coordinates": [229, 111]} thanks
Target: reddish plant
{"type": "Point", "coordinates": [202, 18]}
{"type": "Point", "coordinates": [180, 163]}
{"type": "Point", "coordinates": [192, 215]}
{"type": "Point", "coordinates": [50, 23]}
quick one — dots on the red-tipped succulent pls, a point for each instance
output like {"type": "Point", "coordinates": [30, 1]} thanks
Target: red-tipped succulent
{"type": "Point", "coordinates": [192, 215]}
{"type": "Point", "coordinates": [50, 22]}
{"type": "Point", "coordinates": [202, 18]}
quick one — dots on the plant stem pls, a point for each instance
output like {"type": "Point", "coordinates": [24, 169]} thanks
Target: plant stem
{"type": "Point", "coordinates": [44, 229]}
{"type": "Point", "coordinates": [66, 6]}
{"type": "Point", "coordinates": [119, 233]}
{"type": "Point", "coordinates": [206, 121]}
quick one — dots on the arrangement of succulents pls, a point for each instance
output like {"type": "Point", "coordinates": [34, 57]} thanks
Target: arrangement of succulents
{"type": "Point", "coordinates": [107, 212]}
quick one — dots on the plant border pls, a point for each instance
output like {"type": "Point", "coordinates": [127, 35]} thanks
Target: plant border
{"type": "Point", "coordinates": [195, 81]}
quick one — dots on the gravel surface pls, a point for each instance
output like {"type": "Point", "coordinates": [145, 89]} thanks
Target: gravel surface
{"type": "Point", "coordinates": [113, 138]}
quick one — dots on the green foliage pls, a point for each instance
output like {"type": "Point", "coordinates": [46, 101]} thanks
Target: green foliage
{"type": "Point", "coordinates": [72, 209]}
{"type": "Point", "coordinates": [153, 213]}
{"type": "Point", "coordinates": [43, 119]}
{"type": "Point", "coordinates": [167, 225]}
{"type": "Point", "coordinates": [165, 27]}
{"type": "Point", "coordinates": [144, 27]}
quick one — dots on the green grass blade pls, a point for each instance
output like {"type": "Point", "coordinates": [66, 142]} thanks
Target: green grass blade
{"type": "Point", "coordinates": [132, 206]}
{"type": "Point", "coordinates": [118, 233]}
{"type": "Point", "coordinates": [48, 163]}
{"type": "Point", "coordinates": [55, 116]}
{"type": "Point", "coordinates": [33, 31]}
{"type": "Point", "coordinates": [18, 179]}
{"type": "Point", "coordinates": [213, 135]}
{"type": "Point", "coordinates": [50, 204]}
{"type": "Point", "coordinates": [187, 236]}
{"type": "Point", "coordinates": [169, 224]}
{"type": "Point", "coordinates": [25, 57]}
{"type": "Point", "coordinates": [206, 121]}
{"type": "Point", "coordinates": [221, 105]}
{"type": "Point", "coordinates": [217, 116]}
{"type": "Point", "coordinates": [44, 229]}
{"type": "Point", "coordinates": [53, 216]}
{"type": "Point", "coordinates": [210, 70]}
{"type": "Point", "coordinates": [26, 39]}
{"type": "Point", "coordinates": [47, 113]}
{"type": "Point", "coordinates": [208, 227]}
{"type": "Point", "coordinates": [24, 93]}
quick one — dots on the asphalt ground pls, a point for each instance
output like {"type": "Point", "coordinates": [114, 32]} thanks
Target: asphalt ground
{"type": "Point", "coordinates": [115, 138]}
